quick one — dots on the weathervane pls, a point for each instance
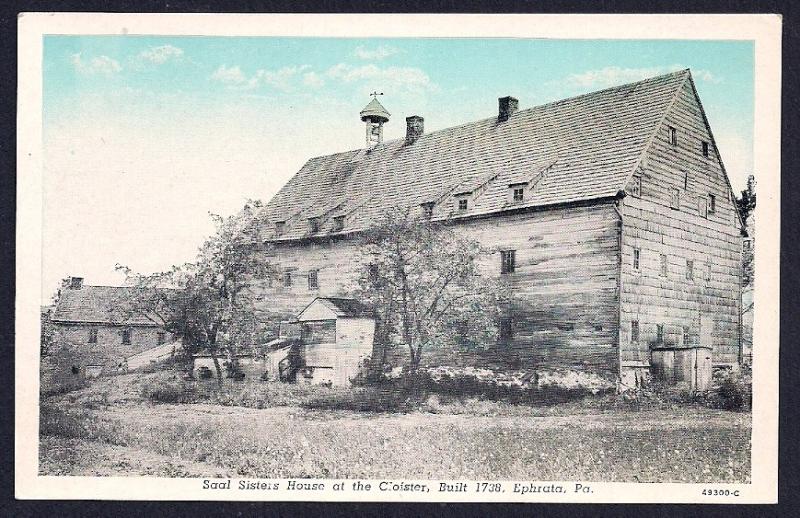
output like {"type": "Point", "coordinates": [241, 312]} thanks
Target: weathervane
{"type": "Point", "coordinates": [375, 94]}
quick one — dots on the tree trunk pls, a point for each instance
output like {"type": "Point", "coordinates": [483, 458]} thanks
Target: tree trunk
{"type": "Point", "coordinates": [216, 365]}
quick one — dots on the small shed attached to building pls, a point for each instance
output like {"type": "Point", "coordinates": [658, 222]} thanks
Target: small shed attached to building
{"type": "Point", "coordinates": [337, 335]}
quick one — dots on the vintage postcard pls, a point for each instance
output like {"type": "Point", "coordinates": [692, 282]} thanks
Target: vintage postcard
{"type": "Point", "coordinates": [437, 258]}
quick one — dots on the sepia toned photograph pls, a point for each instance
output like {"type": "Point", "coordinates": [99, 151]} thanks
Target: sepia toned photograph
{"type": "Point", "coordinates": [398, 267]}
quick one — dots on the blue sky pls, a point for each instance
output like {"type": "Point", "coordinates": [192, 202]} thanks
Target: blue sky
{"type": "Point", "coordinates": [144, 135]}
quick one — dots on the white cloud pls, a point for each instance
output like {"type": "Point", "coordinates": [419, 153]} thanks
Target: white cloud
{"type": "Point", "coordinates": [229, 75]}
{"type": "Point", "coordinates": [614, 75]}
{"type": "Point", "coordinates": [97, 65]}
{"type": "Point", "coordinates": [313, 80]}
{"type": "Point", "coordinates": [402, 79]}
{"type": "Point", "coordinates": [162, 54]}
{"type": "Point", "coordinates": [381, 52]}
{"type": "Point", "coordinates": [282, 79]}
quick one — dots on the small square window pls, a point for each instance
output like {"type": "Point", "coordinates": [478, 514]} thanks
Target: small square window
{"type": "Point", "coordinates": [313, 281]}
{"type": "Point", "coordinates": [507, 261]}
{"type": "Point", "coordinates": [338, 223]}
{"type": "Point", "coordinates": [660, 333]}
{"type": "Point", "coordinates": [747, 245]}
{"type": "Point", "coordinates": [636, 253]}
{"type": "Point", "coordinates": [636, 186]}
{"type": "Point", "coordinates": [313, 225]}
{"type": "Point", "coordinates": [161, 337]}
{"type": "Point", "coordinates": [705, 149]}
{"type": "Point", "coordinates": [663, 272]}
{"type": "Point", "coordinates": [518, 193]}
{"type": "Point", "coordinates": [126, 336]}
{"type": "Point", "coordinates": [280, 227]}
{"type": "Point", "coordinates": [673, 136]}
{"type": "Point", "coordinates": [93, 335]}
{"type": "Point", "coordinates": [675, 198]}
{"type": "Point", "coordinates": [712, 204]}
{"type": "Point", "coordinates": [287, 279]}
{"type": "Point", "coordinates": [689, 269]}
{"type": "Point", "coordinates": [634, 331]}
{"type": "Point", "coordinates": [463, 204]}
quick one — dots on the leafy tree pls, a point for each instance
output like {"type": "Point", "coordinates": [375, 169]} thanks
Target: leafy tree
{"type": "Point", "coordinates": [746, 204]}
{"type": "Point", "coordinates": [424, 282]}
{"type": "Point", "coordinates": [204, 302]}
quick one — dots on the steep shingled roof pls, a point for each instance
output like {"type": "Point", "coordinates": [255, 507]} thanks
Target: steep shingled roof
{"type": "Point", "coordinates": [96, 305]}
{"type": "Point", "coordinates": [581, 148]}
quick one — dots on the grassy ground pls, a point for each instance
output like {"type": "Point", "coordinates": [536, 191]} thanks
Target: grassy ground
{"type": "Point", "coordinates": [108, 429]}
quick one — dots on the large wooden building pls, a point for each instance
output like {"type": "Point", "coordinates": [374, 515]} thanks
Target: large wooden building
{"type": "Point", "coordinates": [609, 213]}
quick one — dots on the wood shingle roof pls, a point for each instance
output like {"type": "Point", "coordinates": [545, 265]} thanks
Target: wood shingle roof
{"type": "Point", "coordinates": [577, 149]}
{"type": "Point", "coordinates": [97, 305]}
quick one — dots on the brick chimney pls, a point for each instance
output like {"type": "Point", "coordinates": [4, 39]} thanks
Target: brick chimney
{"type": "Point", "coordinates": [415, 127]}
{"type": "Point", "coordinates": [508, 105]}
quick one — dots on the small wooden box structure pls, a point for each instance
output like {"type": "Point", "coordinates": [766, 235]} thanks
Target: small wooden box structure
{"type": "Point", "coordinates": [337, 336]}
{"type": "Point", "coordinates": [690, 366]}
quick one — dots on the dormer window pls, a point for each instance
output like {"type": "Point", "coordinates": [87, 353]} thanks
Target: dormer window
{"type": "Point", "coordinates": [517, 192]}
{"type": "Point", "coordinates": [280, 227]}
{"type": "Point", "coordinates": [462, 202]}
{"type": "Point", "coordinates": [427, 209]}
{"type": "Point", "coordinates": [313, 225]}
{"type": "Point", "coordinates": [338, 223]}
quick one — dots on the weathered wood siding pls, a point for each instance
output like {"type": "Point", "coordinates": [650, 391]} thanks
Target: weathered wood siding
{"type": "Point", "coordinates": [653, 227]}
{"type": "Point", "coordinates": [109, 350]}
{"type": "Point", "coordinates": [565, 284]}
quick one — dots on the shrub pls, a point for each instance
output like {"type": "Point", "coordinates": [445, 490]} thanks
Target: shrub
{"type": "Point", "coordinates": [167, 391]}
{"type": "Point", "coordinates": [732, 393]}
{"type": "Point", "coordinates": [366, 399]}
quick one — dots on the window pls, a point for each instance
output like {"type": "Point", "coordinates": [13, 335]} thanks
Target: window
{"type": "Point", "coordinates": [702, 207]}
{"type": "Point", "coordinates": [712, 204]}
{"type": "Point", "coordinates": [462, 204]}
{"type": "Point", "coordinates": [507, 261]}
{"type": "Point", "coordinates": [634, 331]}
{"type": "Point", "coordinates": [427, 209]}
{"type": "Point", "coordinates": [280, 227]}
{"type": "Point", "coordinates": [747, 244]}
{"type": "Point", "coordinates": [517, 193]}
{"type": "Point", "coordinates": [636, 186]}
{"type": "Point", "coordinates": [686, 181]}
{"type": "Point", "coordinates": [636, 253]}
{"type": "Point", "coordinates": [708, 270]}
{"type": "Point", "coordinates": [505, 330]}
{"type": "Point", "coordinates": [161, 337]}
{"type": "Point", "coordinates": [660, 333]}
{"type": "Point", "coordinates": [338, 223]}
{"type": "Point", "coordinates": [673, 136]}
{"type": "Point", "coordinates": [689, 269]}
{"type": "Point", "coordinates": [313, 281]}
{"type": "Point", "coordinates": [126, 336]}
{"type": "Point", "coordinates": [663, 265]}
{"type": "Point", "coordinates": [313, 224]}
{"type": "Point", "coordinates": [705, 148]}
{"type": "Point", "coordinates": [675, 198]}
{"type": "Point", "coordinates": [287, 279]}
{"type": "Point", "coordinates": [93, 335]}
{"type": "Point", "coordinates": [686, 335]}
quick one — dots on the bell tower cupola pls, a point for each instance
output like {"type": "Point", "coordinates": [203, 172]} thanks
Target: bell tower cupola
{"type": "Point", "coordinates": [374, 116]}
